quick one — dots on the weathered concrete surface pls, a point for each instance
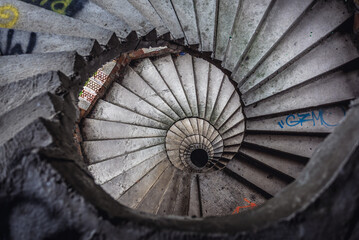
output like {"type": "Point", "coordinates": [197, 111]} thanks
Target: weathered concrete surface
{"type": "Point", "coordinates": [20, 42]}
{"type": "Point", "coordinates": [227, 11]}
{"type": "Point", "coordinates": [206, 23]}
{"type": "Point", "coordinates": [16, 93]}
{"type": "Point", "coordinates": [333, 53]}
{"type": "Point", "coordinates": [187, 18]}
{"type": "Point", "coordinates": [128, 13]}
{"type": "Point", "coordinates": [249, 17]}
{"type": "Point", "coordinates": [310, 30]}
{"type": "Point", "coordinates": [283, 15]}
{"type": "Point", "coordinates": [17, 67]}
{"type": "Point", "coordinates": [165, 10]}
{"type": "Point", "coordinates": [184, 66]}
{"type": "Point", "coordinates": [299, 145]}
{"type": "Point", "coordinates": [312, 95]}
{"type": "Point", "coordinates": [146, 9]}
{"type": "Point", "coordinates": [133, 82]}
{"type": "Point", "coordinates": [35, 19]}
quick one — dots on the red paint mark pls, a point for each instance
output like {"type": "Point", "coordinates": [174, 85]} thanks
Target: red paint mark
{"type": "Point", "coordinates": [251, 205]}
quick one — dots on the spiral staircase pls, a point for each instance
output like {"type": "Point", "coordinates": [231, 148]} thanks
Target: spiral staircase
{"type": "Point", "coordinates": [251, 110]}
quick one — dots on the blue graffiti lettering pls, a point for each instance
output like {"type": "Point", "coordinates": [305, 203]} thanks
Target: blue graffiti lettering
{"type": "Point", "coordinates": [307, 118]}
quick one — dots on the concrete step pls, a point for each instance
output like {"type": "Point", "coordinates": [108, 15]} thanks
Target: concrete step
{"type": "Point", "coordinates": [183, 195]}
{"type": "Point", "coordinates": [89, 12]}
{"type": "Point", "coordinates": [106, 170]}
{"type": "Point", "coordinates": [232, 106]}
{"type": "Point", "coordinates": [133, 82]}
{"type": "Point", "coordinates": [169, 197]}
{"type": "Point", "coordinates": [17, 93]}
{"type": "Point", "coordinates": [206, 14]}
{"type": "Point", "coordinates": [128, 181]}
{"type": "Point", "coordinates": [100, 150]}
{"type": "Point", "coordinates": [149, 73]}
{"type": "Point", "coordinates": [335, 52]}
{"type": "Point", "coordinates": [290, 44]}
{"type": "Point", "coordinates": [150, 203]}
{"type": "Point", "coordinates": [250, 16]}
{"type": "Point", "coordinates": [286, 165]}
{"type": "Point", "coordinates": [14, 42]}
{"type": "Point", "coordinates": [227, 11]}
{"type": "Point", "coordinates": [167, 70]}
{"type": "Point", "coordinates": [110, 112]}
{"type": "Point", "coordinates": [93, 129]}
{"type": "Point", "coordinates": [233, 120]}
{"type": "Point", "coordinates": [122, 97]}
{"type": "Point", "coordinates": [39, 21]}
{"type": "Point", "coordinates": [221, 194]}
{"type": "Point", "coordinates": [45, 105]}
{"type": "Point", "coordinates": [261, 178]}
{"type": "Point", "coordinates": [316, 120]}
{"type": "Point", "coordinates": [312, 95]}
{"type": "Point", "coordinates": [281, 18]}
{"type": "Point", "coordinates": [187, 18]}
{"type": "Point", "coordinates": [147, 10]}
{"type": "Point", "coordinates": [184, 66]}
{"type": "Point", "coordinates": [194, 208]}
{"type": "Point", "coordinates": [201, 73]}
{"type": "Point", "coordinates": [226, 91]}
{"type": "Point", "coordinates": [128, 13]}
{"type": "Point", "coordinates": [133, 196]}
{"type": "Point", "coordinates": [168, 15]}
{"type": "Point", "coordinates": [18, 67]}
{"type": "Point", "coordinates": [214, 83]}
{"type": "Point", "coordinates": [303, 146]}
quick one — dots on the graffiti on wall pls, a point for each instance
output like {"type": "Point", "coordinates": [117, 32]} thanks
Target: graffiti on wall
{"type": "Point", "coordinates": [8, 16]}
{"type": "Point", "coordinates": [64, 7]}
{"type": "Point", "coordinates": [251, 205]}
{"type": "Point", "coordinates": [11, 48]}
{"type": "Point", "coordinates": [313, 118]}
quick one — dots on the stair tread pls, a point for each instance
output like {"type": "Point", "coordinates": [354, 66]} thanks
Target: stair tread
{"type": "Point", "coordinates": [299, 145]}
{"type": "Point", "coordinates": [249, 17]}
{"type": "Point", "coordinates": [129, 187]}
{"type": "Point", "coordinates": [283, 15]}
{"type": "Point", "coordinates": [169, 197]}
{"type": "Point", "coordinates": [38, 21]}
{"type": "Point", "coordinates": [310, 25]}
{"type": "Point", "coordinates": [187, 18]}
{"type": "Point", "coordinates": [206, 22]}
{"type": "Point", "coordinates": [283, 164]}
{"type": "Point", "coordinates": [149, 73]}
{"type": "Point", "coordinates": [214, 83]}
{"type": "Point", "coordinates": [313, 94]}
{"type": "Point", "coordinates": [265, 180]}
{"type": "Point", "coordinates": [165, 66]}
{"type": "Point", "coordinates": [106, 111]}
{"type": "Point", "coordinates": [146, 9]}
{"type": "Point", "coordinates": [201, 70]}
{"type": "Point", "coordinates": [335, 52]}
{"type": "Point", "coordinates": [226, 16]}
{"type": "Point", "coordinates": [129, 14]}
{"type": "Point", "coordinates": [94, 129]}
{"type": "Point", "coordinates": [182, 199]}
{"type": "Point", "coordinates": [151, 201]}
{"type": "Point", "coordinates": [123, 97]}
{"type": "Point", "coordinates": [184, 65]}
{"type": "Point", "coordinates": [23, 42]}
{"type": "Point", "coordinates": [17, 67]}
{"type": "Point", "coordinates": [107, 170]}
{"type": "Point", "coordinates": [137, 85]}
{"type": "Point", "coordinates": [101, 150]}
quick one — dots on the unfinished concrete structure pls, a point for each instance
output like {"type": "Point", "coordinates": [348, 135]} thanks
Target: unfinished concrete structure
{"type": "Point", "coordinates": [254, 112]}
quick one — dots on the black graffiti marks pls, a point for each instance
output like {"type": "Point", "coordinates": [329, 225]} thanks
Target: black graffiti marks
{"type": "Point", "coordinates": [64, 7]}
{"type": "Point", "coordinates": [17, 48]}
